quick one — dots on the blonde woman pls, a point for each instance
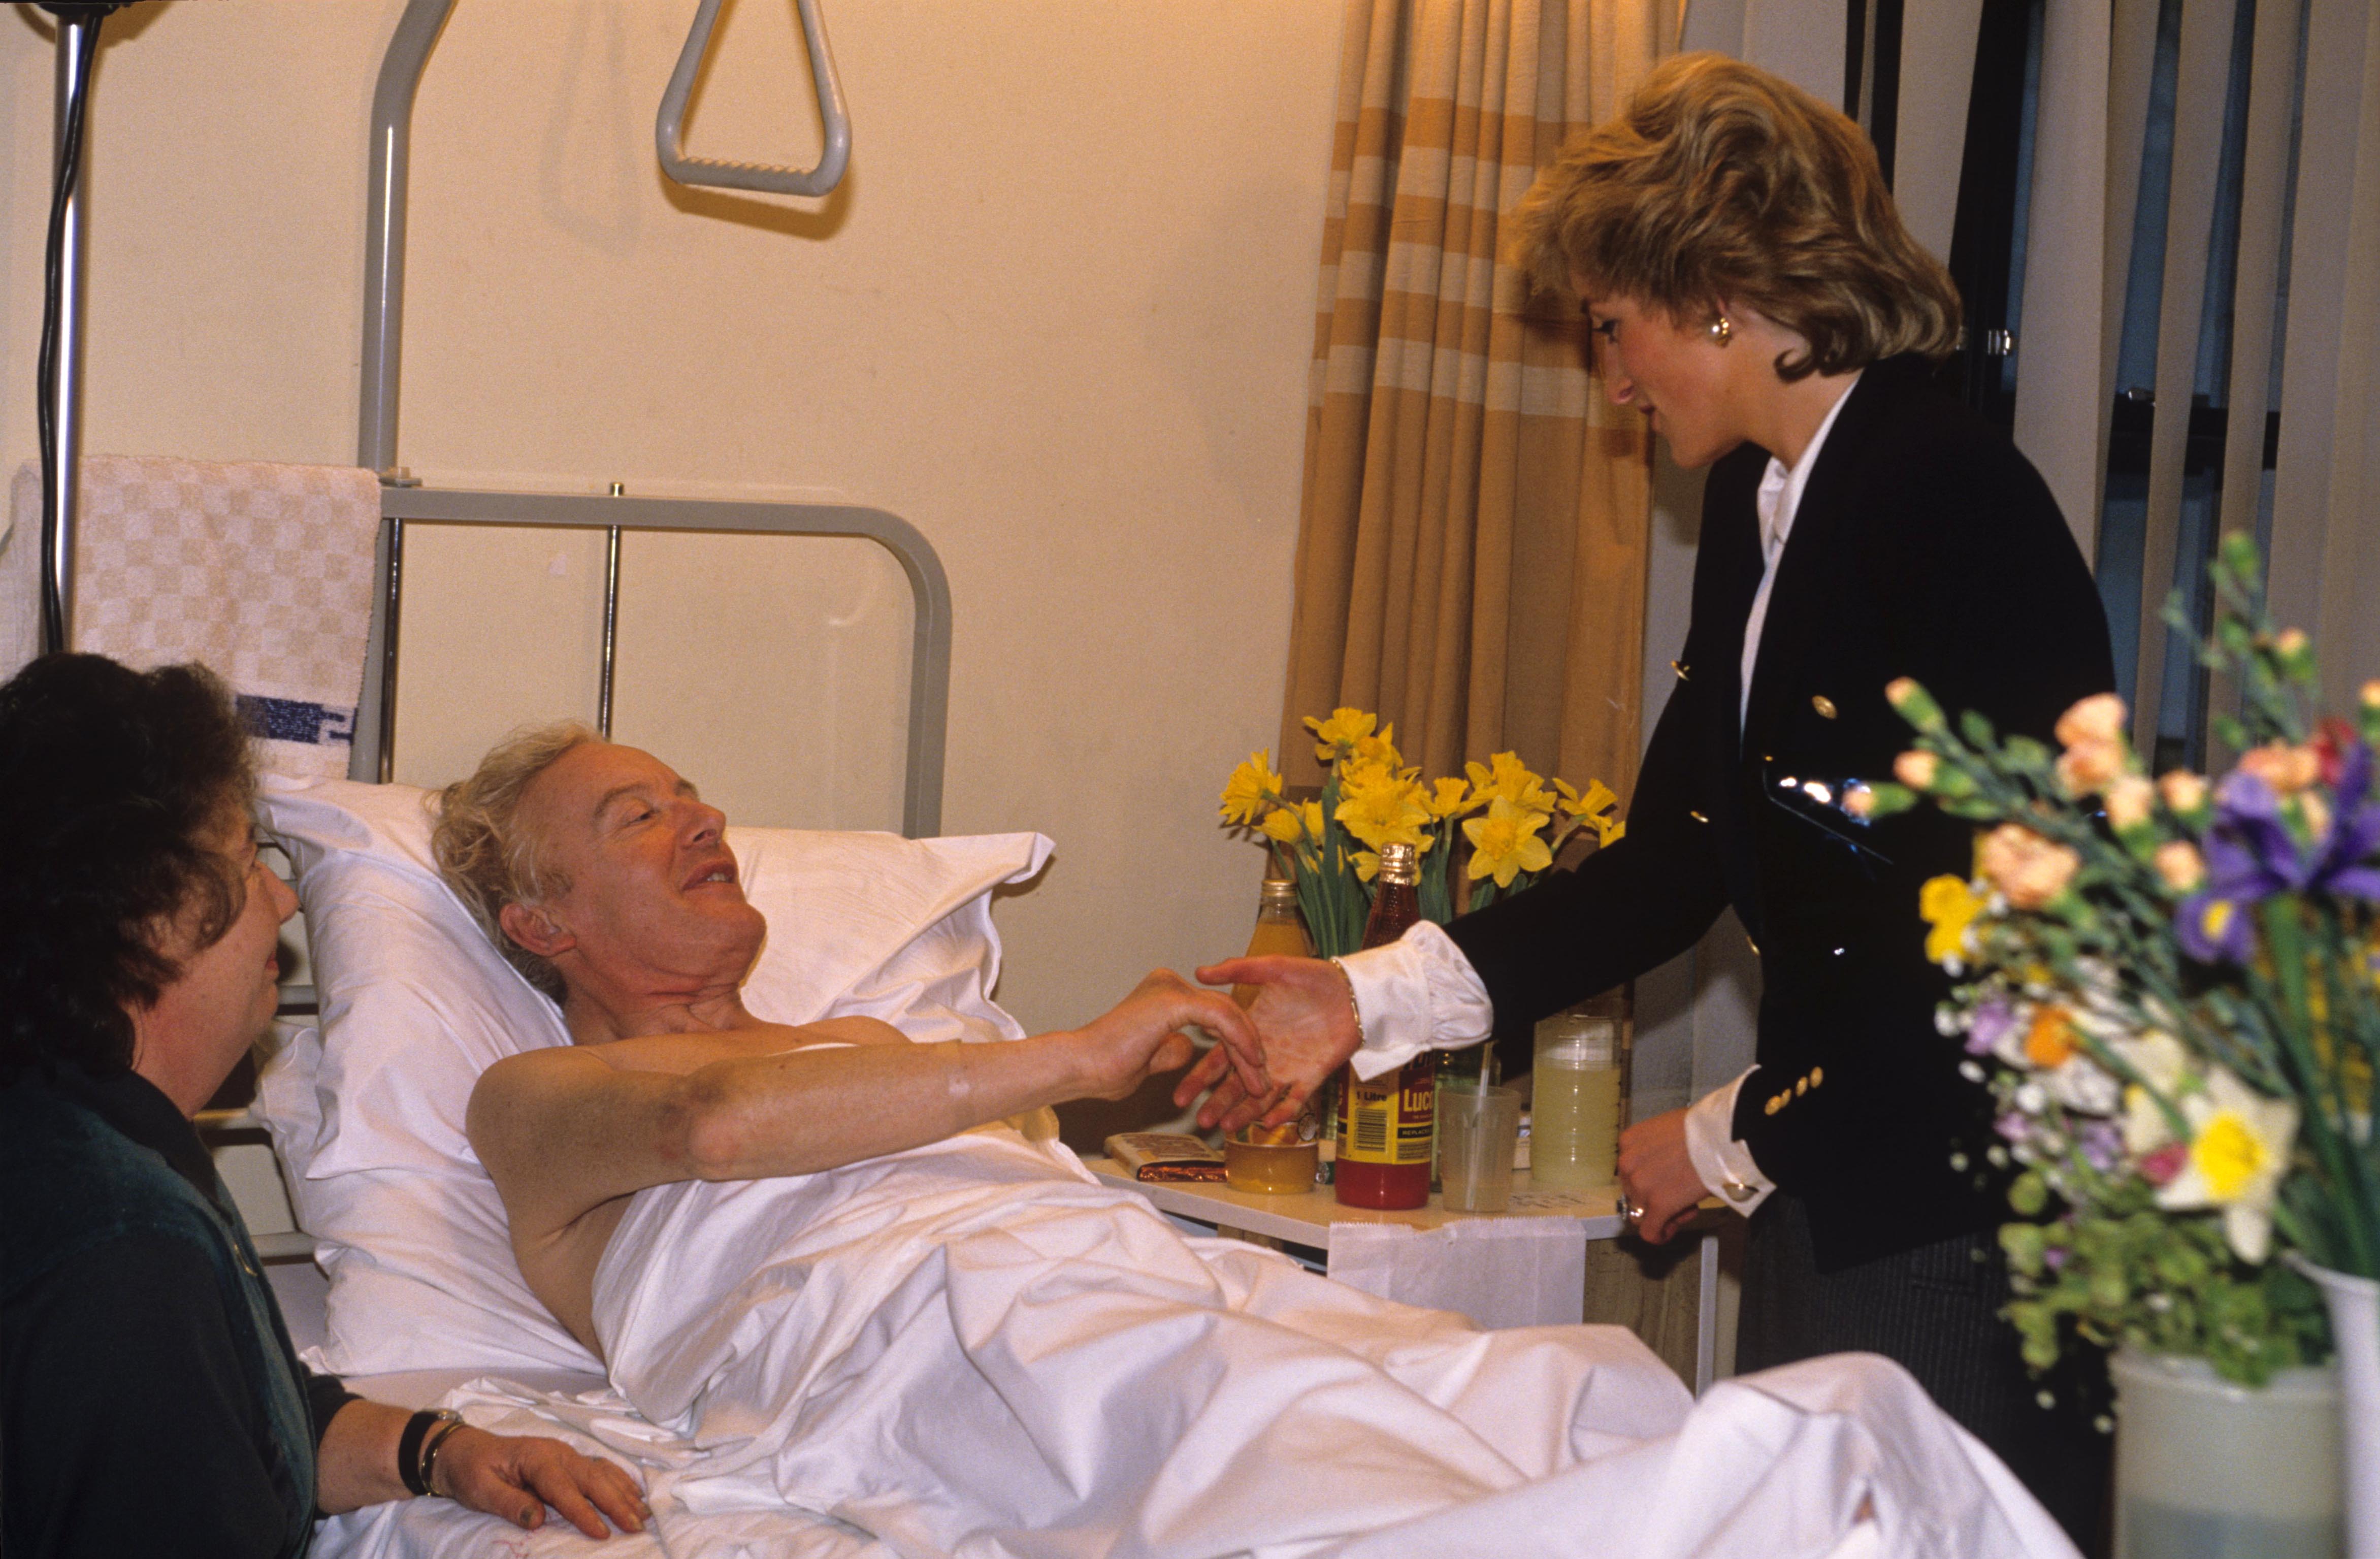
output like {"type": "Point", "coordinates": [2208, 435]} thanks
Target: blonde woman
{"type": "Point", "coordinates": [1752, 290]}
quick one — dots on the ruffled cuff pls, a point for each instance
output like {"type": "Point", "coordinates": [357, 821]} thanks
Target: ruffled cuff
{"type": "Point", "coordinates": [1724, 1162]}
{"type": "Point", "coordinates": [1419, 992]}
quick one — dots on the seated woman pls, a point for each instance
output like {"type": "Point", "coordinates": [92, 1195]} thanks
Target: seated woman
{"type": "Point", "coordinates": [150, 1400]}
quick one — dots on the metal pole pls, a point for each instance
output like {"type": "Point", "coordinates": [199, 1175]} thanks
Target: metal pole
{"type": "Point", "coordinates": [384, 760]}
{"type": "Point", "coordinates": [392, 134]}
{"type": "Point", "coordinates": [75, 33]}
{"type": "Point", "coordinates": [611, 624]}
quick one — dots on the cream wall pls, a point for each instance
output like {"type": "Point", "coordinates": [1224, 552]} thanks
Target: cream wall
{"type": "Point", "coordinates": [1058, 318]}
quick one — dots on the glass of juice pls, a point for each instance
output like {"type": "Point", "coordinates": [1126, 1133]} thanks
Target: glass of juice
{"type": "Point", "coordinates": [1278, 1158]}
{"type": "Point", "coordinates": [1574, 1111]}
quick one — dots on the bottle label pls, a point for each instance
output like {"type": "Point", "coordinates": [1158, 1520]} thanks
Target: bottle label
{"type": "Point", "coordinates": [1392, 1118]}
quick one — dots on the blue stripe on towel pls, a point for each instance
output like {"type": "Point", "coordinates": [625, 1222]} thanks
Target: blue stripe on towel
{"type": "Point", "coordinates": [295, 720]}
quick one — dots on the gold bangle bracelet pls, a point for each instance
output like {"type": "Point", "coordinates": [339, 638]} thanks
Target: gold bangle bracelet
{"type": "Point", "coordinates": [1354, 1010]}
{"type": "Point", "coordinates": [432, 1446]}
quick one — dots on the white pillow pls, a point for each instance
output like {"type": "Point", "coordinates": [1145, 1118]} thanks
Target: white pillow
{"type": "Point", "coordinates": [366, 1106]}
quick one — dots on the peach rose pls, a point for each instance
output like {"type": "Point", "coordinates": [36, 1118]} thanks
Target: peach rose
{"type": "Point", "coordinates": [2370, 694]}
{"type": "Point", "coordinates": [2182, 791]}
{"type": "Point", "coordinates": [1916, 769]}
{"type": "Point", "coordinates": [2316, 813]}
{"type": "Point", "coordinates": [2287, 769]}
{"type": "Point", "coordinates": [2181, 866]}
{"type": "Point", "coordinates": [2291, 642]}
{"type": "Point", "coordinates": [2099, 718]}
{"type": "Point", "coordinates": [2026, 868]}
{"type": "Point", "coordinates": [2129, 799]}
{"type": "Point", "coordinates": [2089, 763]}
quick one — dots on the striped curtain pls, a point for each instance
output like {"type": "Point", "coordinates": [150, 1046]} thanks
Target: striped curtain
{"type": "Point", "coordinates": [2208, 173]}
{"type": "Point", "coordinates": [1471, 555]}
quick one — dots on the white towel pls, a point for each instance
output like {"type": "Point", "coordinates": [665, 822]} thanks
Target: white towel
{"type": "Point", "coordinates": [262, 572]}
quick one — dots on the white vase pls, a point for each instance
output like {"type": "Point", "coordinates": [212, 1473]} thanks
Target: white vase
{"type": "Point", "coordinates": [2355, 1327]}
{"type": "Point", "coordinates": [2209, 1469]}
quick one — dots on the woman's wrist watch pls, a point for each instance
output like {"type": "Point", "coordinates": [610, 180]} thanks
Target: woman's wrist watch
{"type": "Point", "coordinates": [417, 1448]}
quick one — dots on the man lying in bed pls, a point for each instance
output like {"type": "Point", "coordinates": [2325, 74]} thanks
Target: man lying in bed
{"type": "Point", "coordinates": [815, 1253]}
{"type": "Point", "coordinates": [607, 879]}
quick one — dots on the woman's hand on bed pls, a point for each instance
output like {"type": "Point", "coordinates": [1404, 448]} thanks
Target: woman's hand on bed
{"type": "Point", "coordinates": [516, 1477]}
{"type": "Point", "coordinates": [1307, 1021]}
{"type": "Point", "coordinates": [1141, 1037]}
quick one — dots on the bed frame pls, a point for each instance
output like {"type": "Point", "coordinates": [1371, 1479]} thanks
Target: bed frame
{"type": "Point", "coordinates": [243, 1152]}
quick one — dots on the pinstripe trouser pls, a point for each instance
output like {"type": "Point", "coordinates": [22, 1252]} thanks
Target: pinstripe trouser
{"type": "Point", "coordinates": [1935, 1310]}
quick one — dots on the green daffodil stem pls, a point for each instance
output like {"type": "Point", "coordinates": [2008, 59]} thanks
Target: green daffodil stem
{"type": "Point", "coordinates": [2284, 926]}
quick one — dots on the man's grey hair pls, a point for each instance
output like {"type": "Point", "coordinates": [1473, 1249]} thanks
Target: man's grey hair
{"type": "Point", "coordinates": [485, 853]}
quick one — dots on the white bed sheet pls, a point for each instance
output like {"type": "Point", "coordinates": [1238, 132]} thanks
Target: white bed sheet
{"type": "Point", "coordinates": [938, 1333]}
{"type": "Point", "coordinates": [978, 1351]}
{"type": "Point", "coordinates": [1548, 1519]}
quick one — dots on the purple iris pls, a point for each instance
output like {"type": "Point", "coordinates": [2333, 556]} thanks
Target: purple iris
{"type": "Point", "coordinates": [1991, 1022]}
{"type": "Point", "coordinates": [2250, 856]}
{"type": "Point", "coordinates": [2102, 1146]}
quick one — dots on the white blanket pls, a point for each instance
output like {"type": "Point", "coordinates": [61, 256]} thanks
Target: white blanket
{"type": "Point", "coordinates": [977, 1349]}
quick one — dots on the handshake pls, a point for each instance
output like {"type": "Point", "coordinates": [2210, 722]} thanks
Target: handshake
{"type": "Point", "coordinates": [1267, 1061]}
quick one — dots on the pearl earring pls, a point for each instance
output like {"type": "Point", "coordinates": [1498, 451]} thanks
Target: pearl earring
{"type": "Point", "coordinates": [1722, 330]}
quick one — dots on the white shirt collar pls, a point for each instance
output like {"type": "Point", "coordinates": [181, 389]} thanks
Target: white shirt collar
{"type": "Point", "coordinates": [1781, 490]}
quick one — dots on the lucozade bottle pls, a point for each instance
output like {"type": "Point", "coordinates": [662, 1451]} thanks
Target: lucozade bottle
{"type": "Point", "coordinates": [1386, 1126]}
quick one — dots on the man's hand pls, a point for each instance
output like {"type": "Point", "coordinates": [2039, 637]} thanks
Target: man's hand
{"type": "Point", "coordinates": [1307, 1019]}
{"type": "Point", "coordinates": [516, 1477]}
{"type": "Point", "coordinates": [1141, 1036]}
{"type": "Point", "coordinates": [1657, 1175]}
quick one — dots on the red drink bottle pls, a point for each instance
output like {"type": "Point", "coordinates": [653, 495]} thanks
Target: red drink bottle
{"type": "Point", "coordinates": [1386, 1124]}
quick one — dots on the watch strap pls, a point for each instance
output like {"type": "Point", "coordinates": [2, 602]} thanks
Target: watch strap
{"type": "Point", "coordinates": [412, 1458]}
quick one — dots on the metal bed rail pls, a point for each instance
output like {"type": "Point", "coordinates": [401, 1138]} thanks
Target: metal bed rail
{"type": "Point", "coordinates": [929, 658]}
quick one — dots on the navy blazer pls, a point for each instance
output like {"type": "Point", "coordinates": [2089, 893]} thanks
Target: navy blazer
{"type": "Point", "coordinates": [1924, 546]}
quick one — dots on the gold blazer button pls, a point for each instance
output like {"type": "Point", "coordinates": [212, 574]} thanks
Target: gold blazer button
{"type": "Point", "coordinates": [1824, 705]}
{"type": "Point", "coordinates": [1682, 670]}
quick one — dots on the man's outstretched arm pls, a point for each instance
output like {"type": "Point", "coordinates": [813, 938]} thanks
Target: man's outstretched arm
{"type": "Point", "coordinates": [563, 1131]}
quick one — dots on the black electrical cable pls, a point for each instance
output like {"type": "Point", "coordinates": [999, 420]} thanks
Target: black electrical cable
{"type": "Point", "coordinates": [67, 175]}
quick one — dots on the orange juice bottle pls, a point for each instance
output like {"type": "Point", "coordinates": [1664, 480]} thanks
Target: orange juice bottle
{"type": "Point", "coordinates": [1281, 932]}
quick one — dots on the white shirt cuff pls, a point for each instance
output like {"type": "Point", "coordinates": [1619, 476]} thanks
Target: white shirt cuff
{"type": "Point", "coordinates": [1419, 992]}
{"type": "Point", "coordinates": [1724, 1162]}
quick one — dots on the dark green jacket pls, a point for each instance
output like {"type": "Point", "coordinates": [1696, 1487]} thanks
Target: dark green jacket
{"type": "Point", "coordinates": [149, 1399]}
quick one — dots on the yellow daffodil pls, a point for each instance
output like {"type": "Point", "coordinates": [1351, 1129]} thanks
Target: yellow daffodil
{"type": "Point", "coordinates": [1504, 775]}
{"type": "Point", "coordinates": [1251, 790]}
{"type": "Point", "coordinates": [1367, 865]}
{"type": "Point", "coordinates": [2239, 1148]}
{"type": "Point", "coordinates": [1309, 816]}
{"type": "Point", "coordinates": [1382, 809]}
{"type": "Point", "coordinates": [1598, 797]}
{"type": "Point", "coordinates": [1950, 907]}
{"type": "Point", "coordinates": [1595, 808]}
{"type": "Point", "coordinates": [1505, 843]}
{"type": "Point", "coordinates": [1281, 825]}
{"type": "Point", "coordinates": [1374, 753]}
{"type": "Point", "coordinates": [1341, 732]}
{"type": "Point", "coordinates": [1450, 798]}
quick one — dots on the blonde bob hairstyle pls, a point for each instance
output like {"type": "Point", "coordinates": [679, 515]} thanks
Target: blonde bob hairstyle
{"type": "Point", "coordinates": [485, 853]}
{"type": "Point", "coordinates": [1720, 181]}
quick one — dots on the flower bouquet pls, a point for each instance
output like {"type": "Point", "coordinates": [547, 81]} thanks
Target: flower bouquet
{"type": "Point", "coordinates": [1331, 847]}
{"type": "Point", "coordinates": [2173, 983]}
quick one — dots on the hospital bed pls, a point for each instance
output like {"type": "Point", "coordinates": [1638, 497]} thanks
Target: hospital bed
{"type": "Point", "coordinates": [561, 1396]}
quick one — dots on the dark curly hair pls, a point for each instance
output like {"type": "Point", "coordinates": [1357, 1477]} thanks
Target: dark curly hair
{"type": "Point", "coordinates": [110, 782]}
